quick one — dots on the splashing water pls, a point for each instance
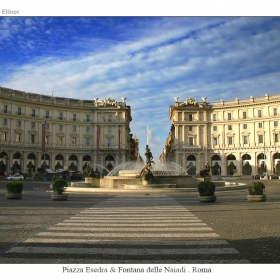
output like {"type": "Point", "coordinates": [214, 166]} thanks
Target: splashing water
{"type": "Point", "coordinates": [160, 168]}
{"type": "Point", "coordinates": [101, 167]}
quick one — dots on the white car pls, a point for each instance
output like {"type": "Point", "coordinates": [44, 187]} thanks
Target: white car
{"type": "Point", "coordinates": [15, 177]}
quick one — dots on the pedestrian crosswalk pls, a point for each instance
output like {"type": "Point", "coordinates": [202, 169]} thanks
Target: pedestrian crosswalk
{"type": "Point", "coordinates": [127, 229]}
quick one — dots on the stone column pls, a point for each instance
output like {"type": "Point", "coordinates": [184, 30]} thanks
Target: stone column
{"type": "Point", "coordinates": [198, 135]}
{"type": "Point", "coordinates": [80, 163]}
{"type": "Point", "coordinates": [239, 165]}
{"type": "Point", "coordinates": [205, 136]}
{"type": "Point", "coordinates": [254, 162]}
{"type": "Point", "coordinates": [223, 164]}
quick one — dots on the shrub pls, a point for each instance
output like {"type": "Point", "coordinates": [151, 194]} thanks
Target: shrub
{"type": "Point", "coordinates": [206, 188]}
{"type": "Point", "coordinates": [256, 188]}
{"type": "Point", "coordinates": [59, 186]}
{"type": "Point", "coordinates": [14, 187]}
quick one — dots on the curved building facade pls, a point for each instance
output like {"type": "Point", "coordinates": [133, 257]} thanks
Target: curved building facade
{"type": "Point", "coordinates": [238, 137]}
{"type": "Point", "coordinates": [39, 131]}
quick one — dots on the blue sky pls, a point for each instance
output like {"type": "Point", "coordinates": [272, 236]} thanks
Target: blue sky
{"type": "Point", "coordinates": [149, 60]}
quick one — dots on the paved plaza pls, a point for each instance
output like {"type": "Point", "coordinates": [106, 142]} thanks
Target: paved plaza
{"type": "Point", "coordinates": [139, 228]}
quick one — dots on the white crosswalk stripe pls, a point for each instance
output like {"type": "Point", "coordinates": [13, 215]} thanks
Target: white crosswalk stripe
{"type": "Point", "coordinates": [127, 229]}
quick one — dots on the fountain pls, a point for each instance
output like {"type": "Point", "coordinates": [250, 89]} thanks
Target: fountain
{"type": "Point", "coordinates": [140, 175]}
{"type": "Point", "coordinates": [147, 177]}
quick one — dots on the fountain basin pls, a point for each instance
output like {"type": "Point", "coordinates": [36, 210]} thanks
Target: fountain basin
{"type": "Point", "coordinates": [136, 173]}
{"type": "Point", "coordinates": [149, 186]}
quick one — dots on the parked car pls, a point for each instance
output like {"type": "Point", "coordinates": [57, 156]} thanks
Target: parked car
{"type": "Point", "coordinates": [48, 177]}
{"type": "Point", "coordinates": [15, 177]}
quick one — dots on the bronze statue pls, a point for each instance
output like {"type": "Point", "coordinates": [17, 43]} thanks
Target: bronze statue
{"type": "Point", "coordinates": [146, 174]}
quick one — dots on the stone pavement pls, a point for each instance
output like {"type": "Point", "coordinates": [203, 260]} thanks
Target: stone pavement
{"type": "Point", "coordinates": [163, 228]}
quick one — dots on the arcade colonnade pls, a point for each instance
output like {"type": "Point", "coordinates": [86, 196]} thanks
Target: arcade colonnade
{"type": "Point", "coordinates": [231, 164]}
{"type": "Point", "coordinates": [238, 137]}
{"type": "Point", "coordinates": [65, 133]}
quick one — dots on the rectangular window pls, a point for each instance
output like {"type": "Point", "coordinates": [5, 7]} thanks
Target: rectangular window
{"type": "Point", "coordinates": [275, 123]}
{"type": "Point", "coordinates": [191, 142]}
{"type": "Point", "coordinates": [87, 129]}
{"type": "Point", "coordinates": [215, 141]}
{"type": "Point", "coordinates": [47, 114]}
{"type": "Point", "coordinates": [61, 116]}
{"type": "Point", "coordinates": [230, 127]}
{"type": "Point", "coordinates": [244, 115]}
{"type": "Point", "coordinates": [73, 128]}
{"type": "Point", "coordinates": [74, 141]}
{"type": "Point", "coordinates": [60, 127]}
{"type": "Point", "coordinates": [32, 139]}
{"type": "Point", "coordinates": [19, 111]}
{"type": "Point", "coordinates": [3, 136]}
{"type": "Point", "coordinates": [5, 108]}
{"type": "Point", "coordinates": [59, 140]}
{"type": "Point", "coordinates": [18, 123]}
{"type": "Point", "coordinates": [275, 111]}
{"type": "Point", "coordinates": [5, 121]}
{"type": "Point", "coordinates": [46, 126]}
{"type": "Point", "coordinates": [190, 128]}
{"type": "Point", "coordinates": [244, 126]}
{"type": "Point", "coordinates": [260, 125]}
{"type": "Point", "coordinates": [109, 129]}
{"type": "Point", "coordinates": [259, 113]}
{"type": "Point", "coordinates": [245, 139]}
{"type": "Point", "coordinates": [33, 113]}
{"type": "Point", "coordinates": [17, 137]}
{"type": "Point", "coordinates": [109, 118]}
{"type": "Point", "coordinates": [87, 141]}
{"type": "Point", "coordinates": [190, 117]}
{"type": "Point", "coordinates": [32, 124]}
{"type": "Point", "coordinates": [87, 118]}
{"type": "Point", "coordinates": [74, 117]}
{"type": "Point", "coordinates": [230, 140]}
{"type": "Point", "coordinates": [276, 137]}
{"type": "Point", "coordinates": [214, 117]}
{"type": "Point", "coordinates": [229, 116]}
{"type": "Point", "coordinates": [260, 138]}
{"type": "Point", "coordinates": [215, 128]}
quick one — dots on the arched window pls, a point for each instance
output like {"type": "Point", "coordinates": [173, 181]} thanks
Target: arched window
{"type": "Point", "coordinates": [73, 157]}
{"type": "Point", "coordinates": [87, 158]}
{"type": "Point", "coordinates": [216, 157]}
{"type": "Point", "coordinates": [246, 157]}
{"type": "Point", "coordinates": [191, 157]}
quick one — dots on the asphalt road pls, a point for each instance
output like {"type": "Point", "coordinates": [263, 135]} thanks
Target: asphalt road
{"type": "Point", "coordinates": [251, 231]}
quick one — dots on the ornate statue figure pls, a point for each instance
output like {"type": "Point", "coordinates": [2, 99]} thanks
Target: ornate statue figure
{"type": "Point", "coordinates": [146, 173]}
{"type": "Point", "coordinates": [90, 173]}
{"type": "Point", "coordinates": [88, 170]}
{"type": "Point", "coordinates": [205, 172]}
